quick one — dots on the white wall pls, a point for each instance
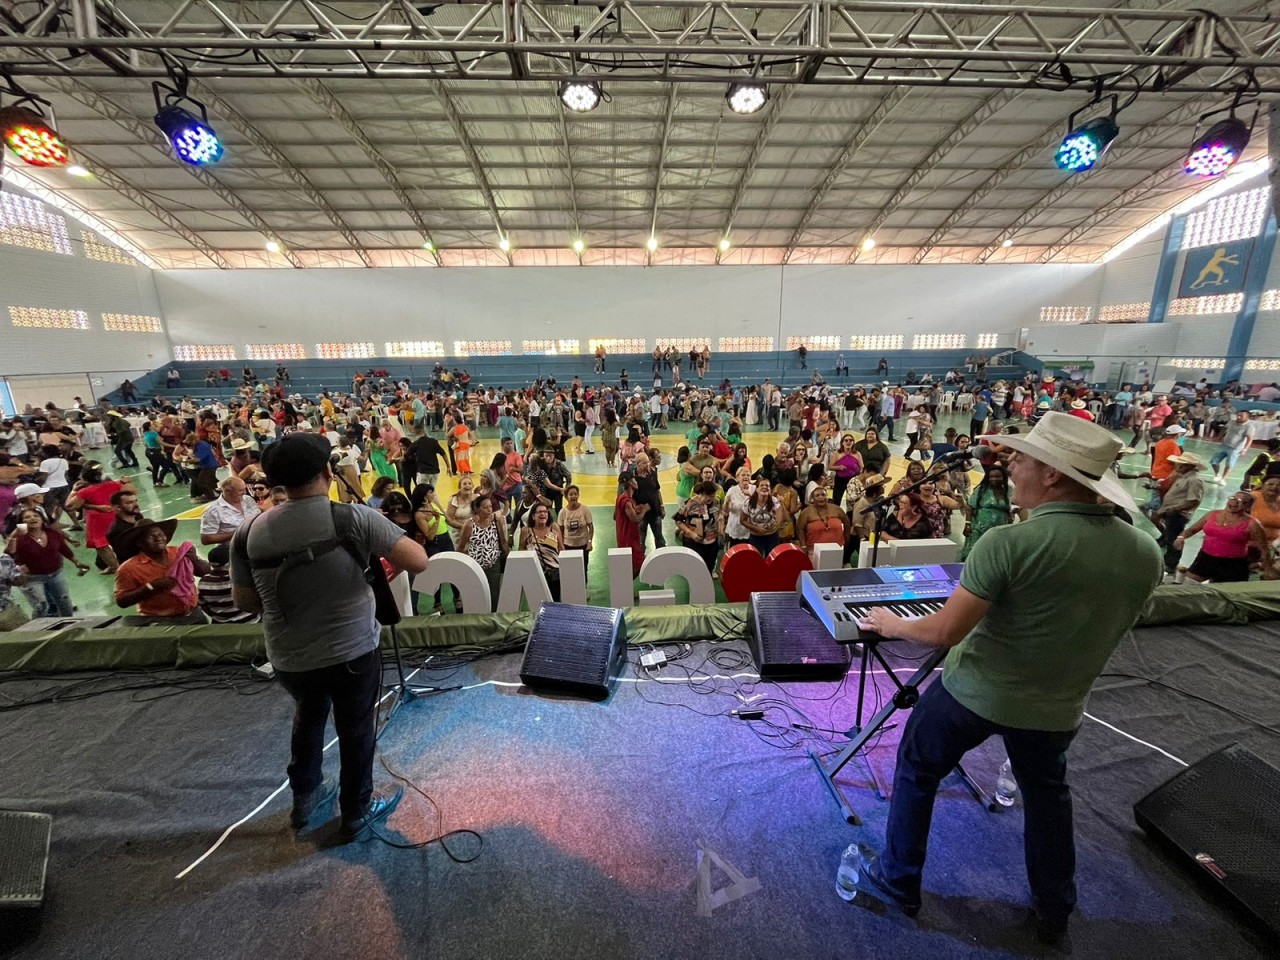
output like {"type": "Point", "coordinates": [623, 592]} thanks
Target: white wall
{"type": "Point", "coordinates": [251, 306]}
{"type": "Point", "coordinates": [33, 278]}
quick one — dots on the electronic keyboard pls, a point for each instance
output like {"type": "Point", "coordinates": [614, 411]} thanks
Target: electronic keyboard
{"type": "Point", "coordinates": [838, 598]}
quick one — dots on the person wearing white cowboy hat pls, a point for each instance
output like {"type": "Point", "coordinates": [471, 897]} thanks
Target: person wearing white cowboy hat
{"type": "Point", "coordinates": [1030, 638]}
{"type": "Point", "coordinates": [1080, 408]}
{"type": "Point", "coordinates": [1179, 505]}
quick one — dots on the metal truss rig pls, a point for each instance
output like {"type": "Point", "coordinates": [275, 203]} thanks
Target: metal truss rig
{"type": "Point", "coordinates": [838, 42]}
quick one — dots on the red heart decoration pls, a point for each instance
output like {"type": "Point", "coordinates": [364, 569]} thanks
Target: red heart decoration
{"type": "Point", "coordinates": [745, 572]}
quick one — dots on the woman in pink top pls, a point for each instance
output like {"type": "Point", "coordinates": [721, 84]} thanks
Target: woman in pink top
{"type": "Point", "coordinates": [1228, 535]}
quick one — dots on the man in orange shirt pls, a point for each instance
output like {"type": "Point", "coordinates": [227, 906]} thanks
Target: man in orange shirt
{"type": "Point", "coordinates": [1167, 447]}
{"type": "Point", "coordinates": [147, 579]}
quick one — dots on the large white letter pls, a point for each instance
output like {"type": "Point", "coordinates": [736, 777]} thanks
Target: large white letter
{"type": "Point", "coordinates": [667, 562]}
{"type": "Point", "coordinates": [621, 590]}
{"type": "Point", "coordinates": [460, 572]}
{"type": "Point", "coordinates": [523, 575]}
{"type": "Point", "coordinates": [828, 556]}
{"type": "Point", "coordinates": [573, 576]}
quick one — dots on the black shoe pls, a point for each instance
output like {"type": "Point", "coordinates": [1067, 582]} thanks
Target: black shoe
{"type": "Point", "coordinates": [1050, 932]}
{"type": "Point", "coordinates": [304, 807]}
{"type": "Point", "coordinates": [379, 809]}
{"type": "Point", "coordinates": [871, 880]}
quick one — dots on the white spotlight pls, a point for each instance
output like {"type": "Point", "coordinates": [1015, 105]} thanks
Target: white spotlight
{"type": "Point", "coordinates": [1007, 244]}
{"type": "Point", "coordinates": [724, 245]}
{"type": "Point", "coordinates": [273, 246]}
{"type": "Point", "coordinates": [581, 95]}
{"type": "Point", "coordinates": [746, 97]}
{"type": "Point", "coordinates": [504, 245]}
{"type": "Point", "coordinates": [869, 243]}
{"type": "Point", "coordinates": [77, 171]}
{"type": "Point", "coordinates": [651, 243]}
{"type": "Point", "coordinates": [578, 246]}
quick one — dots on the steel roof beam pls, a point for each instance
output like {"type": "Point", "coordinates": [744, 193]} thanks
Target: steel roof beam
{"type": "Point", "coordinates": [662, 160]}
{"type": "Point", "coordinates": [338, 113]}
{"type": "Point", "coordinates": [851, 42]}
{"type": "Point", "coordinates": [473, 160]}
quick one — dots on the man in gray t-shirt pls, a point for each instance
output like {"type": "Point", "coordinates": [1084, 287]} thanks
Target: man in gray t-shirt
{"type": "Point", "coordinates": [318, 618]}
{"type": "Point", "coordinates": [1235, 441]}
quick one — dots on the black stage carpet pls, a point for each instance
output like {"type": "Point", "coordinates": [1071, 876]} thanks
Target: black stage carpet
{"type": "Point", "coordinates": [595, 817]}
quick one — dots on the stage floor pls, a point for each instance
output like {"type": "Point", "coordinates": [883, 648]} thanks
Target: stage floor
{"type": "Point", "coordinates": [593, 816]}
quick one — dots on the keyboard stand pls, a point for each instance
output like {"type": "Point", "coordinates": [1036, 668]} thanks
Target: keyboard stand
{"type": "Point", "coordinates": [906, 697]}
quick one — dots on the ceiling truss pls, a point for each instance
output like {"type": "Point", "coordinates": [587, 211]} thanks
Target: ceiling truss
{"type": "Point", "coordinates": [849, 42]}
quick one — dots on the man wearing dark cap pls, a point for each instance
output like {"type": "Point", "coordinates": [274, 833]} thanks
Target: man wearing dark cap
{"type": "Point", "coordinates": [299, 565]}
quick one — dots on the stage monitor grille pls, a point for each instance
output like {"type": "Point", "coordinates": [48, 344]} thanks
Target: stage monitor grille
{"type": "Point", "coordinates": [1222, 816]}
{"type": "Point", "coordinates": [789, 643]}
{"type": "Point", "coordinates": [24, 857]}
{"type": "Point", "coordinates": [575, 649]}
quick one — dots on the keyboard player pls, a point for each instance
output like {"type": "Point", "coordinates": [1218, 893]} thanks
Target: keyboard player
{"type": "Point", "coordinates": [1027, 637]}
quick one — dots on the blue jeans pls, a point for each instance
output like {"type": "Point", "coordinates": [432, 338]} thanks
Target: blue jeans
{"type": "Point", "coordinates": [52, 589]}
{"type": "Point", "coordinates": [939, 733]}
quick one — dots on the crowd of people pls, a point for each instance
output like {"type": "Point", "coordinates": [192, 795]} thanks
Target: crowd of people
{"type": "Point", "coordinates": [392, 441]}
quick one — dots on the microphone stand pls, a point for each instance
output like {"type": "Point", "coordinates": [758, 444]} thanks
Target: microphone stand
{"type": "Point", "coordinates": [403, 690]}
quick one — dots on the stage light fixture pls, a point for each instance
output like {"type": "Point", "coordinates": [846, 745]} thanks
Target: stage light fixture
{"type": "Point", "coordinates": [504, 244]}
{"type": "Point", "coordinates": [1007, 244]}
{"type": "Point", "coordinates": [273, 246]}
{"type": "Point", "coordinates": [651, 243]}
{"type": "Point", "coordinates": [579, 246]}
{"type": "Point", "coordinates": [724, 244]}
{"type": "Point", "coordinates": [869, 244]}
{"type": "Point", "coordinates": [1217, 151]}
{"type": "Point", "coordinates": [1084, 145]}
{"type": "Point", "coordinates": [748, 97]}
{"type": "Point", "coordinates": [32, 138]}
{"type": "Point", "coordinates": [581, 95]}
{"type": "Point", "coordinates": [192, 139]}
{"type": "Point", "coordinates": [77, 171]}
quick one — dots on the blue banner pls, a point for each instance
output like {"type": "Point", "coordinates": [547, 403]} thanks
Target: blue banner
{"type": "Point", "coordinates": [1218, 268]}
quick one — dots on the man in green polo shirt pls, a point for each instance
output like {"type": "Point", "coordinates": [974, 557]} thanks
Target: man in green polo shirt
{"type": "Point", "coordinates": [1028, 637]}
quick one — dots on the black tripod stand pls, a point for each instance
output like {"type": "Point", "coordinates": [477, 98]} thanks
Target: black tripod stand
{"type": "Point", "coordinates": [905, 696]}
{"type": "Point", "coordinates": [403, 690]}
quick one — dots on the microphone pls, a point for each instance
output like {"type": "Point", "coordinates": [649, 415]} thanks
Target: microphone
{"type": "Point", "coordinates": [982, 452]}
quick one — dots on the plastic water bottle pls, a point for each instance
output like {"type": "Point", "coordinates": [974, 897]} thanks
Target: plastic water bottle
{"type": "Point", "coordinates": [1006, 785]}
{"type": "Point", "coordinates": [847, 875]}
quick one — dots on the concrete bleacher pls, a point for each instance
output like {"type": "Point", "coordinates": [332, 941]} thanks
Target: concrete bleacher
{"type": "Point", "coordinates": [310, 377]}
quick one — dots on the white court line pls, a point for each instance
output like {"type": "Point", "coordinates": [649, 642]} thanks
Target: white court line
{"type": "Point", "coordinates": [1136, 740]}
{"type": "Point", "coordinates": [259, 808]}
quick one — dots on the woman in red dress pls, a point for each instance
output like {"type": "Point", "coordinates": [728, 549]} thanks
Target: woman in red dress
{"type": "Point", "coordinates": [627, 515]}
{"type": "Point", "coordinates": [95, 497]}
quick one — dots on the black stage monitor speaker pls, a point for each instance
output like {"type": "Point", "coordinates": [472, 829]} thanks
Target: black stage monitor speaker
{"type": "Point", "coordinates": [790, 643]}
{"type": "Point", "coordinates": [24, 857]}
{"type": "Point", "coordinates": [1221, 818]}
{"type": "Point", "coordinates": [575, 649]}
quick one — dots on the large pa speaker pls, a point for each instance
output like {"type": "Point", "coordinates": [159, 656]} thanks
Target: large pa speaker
{"type": "Point", "coordinates": [789, 643]}
{"type": "Point", "coordinates": [24, 857]}
{"type": "Point", "coordinates": [1221, 819]}
{"type": "Point", "coordinates": [576, 649]}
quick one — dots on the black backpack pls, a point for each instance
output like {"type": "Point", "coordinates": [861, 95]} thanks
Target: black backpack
{"type": "Point", "coordinates": [386, 610]}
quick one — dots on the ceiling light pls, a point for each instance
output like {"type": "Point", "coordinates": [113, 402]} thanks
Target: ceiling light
{"type": "Point", "coordinates": [579, 246]}
{"type": "Point", "coordinates": [77, 171]}
{"type": "Point", "coordinates": [651, 243]}
{"type": "Point", "coordinates": [1218, 150]}
{"type": "Point", "coordinates": [191, 137]}
{"type": "Point", "coordinates": [504, 244]}
{"type": "Point", "coordinates": [428, 246]}
{"type": "Point", "coordinates": [273, 246]}
{"type": "Point", "coordinates": [724, 245]}
{"type": "Point", "coordinates": [1007, 244]}
{"type": "Point", "coordinates": [580, 95]}
{"type": "Point", "coordinates": [869, 243]}
{"type": "Point", "coordinates": [1083, 146]}
{"type": "Point", "coordinates": [31, 137]}
{"type": "Point", "coordinates": [746, 97]}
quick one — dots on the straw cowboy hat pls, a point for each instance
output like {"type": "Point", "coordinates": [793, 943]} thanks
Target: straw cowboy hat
{"type": "Point", "coordinates": [1082, 450]}
{"type": "Point", "coordinates": [1188, 459]}
{"type": "Point", "coordinates": [239, 443]}
{"type": "Point", "coordinates": [1078, 404]}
